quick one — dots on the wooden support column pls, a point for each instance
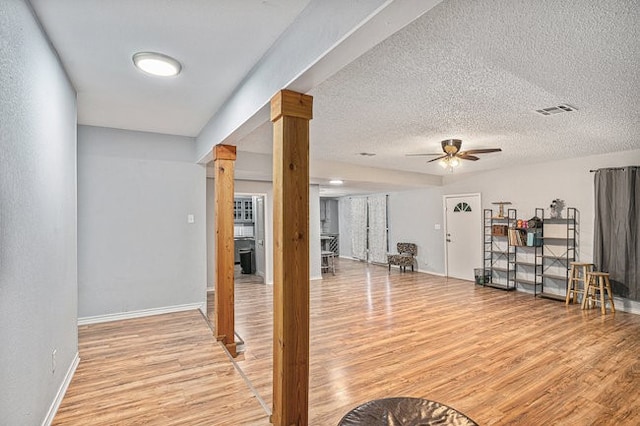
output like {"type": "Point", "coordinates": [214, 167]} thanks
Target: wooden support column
{"type": "Point", "coordinates": [224, 157]}
{"type": "Point", "coordinates": [290, 114]}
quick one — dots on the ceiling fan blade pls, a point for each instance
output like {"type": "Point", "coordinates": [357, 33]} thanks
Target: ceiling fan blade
{"type": "Point", "coordinates": [439, 158]}
{"type": "Point", "coordinates": [466, 156]}
{"type": "Point", "coordinates": [481, 151]}
{"type": "Point", "coordinates": [420, 155]}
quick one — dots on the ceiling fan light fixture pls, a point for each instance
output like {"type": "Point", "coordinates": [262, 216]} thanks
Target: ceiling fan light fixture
{"type": "Point", "coordinates": [157, 64]}
{"type": "Point", "coordinates": [451, 146]}
{"type": "Point", "coordinates": [449, 163]}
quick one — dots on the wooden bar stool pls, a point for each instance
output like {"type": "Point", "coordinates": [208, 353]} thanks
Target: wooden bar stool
{"type": "Point", "coordinates": [577, 275]}
{"type": "Point", "coordinates": [328, 262]}
{"type": "Point", "coordinates": [598, 282]}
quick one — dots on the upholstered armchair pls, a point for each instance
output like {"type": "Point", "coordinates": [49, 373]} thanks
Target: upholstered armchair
{"type": "Point", "coordinates": [405, 257]}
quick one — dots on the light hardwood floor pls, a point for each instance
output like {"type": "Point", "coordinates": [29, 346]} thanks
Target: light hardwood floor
{"type": "Point", "coordinates": [160, 370]}
{"type": "Point", "coordinates": [501, 358]}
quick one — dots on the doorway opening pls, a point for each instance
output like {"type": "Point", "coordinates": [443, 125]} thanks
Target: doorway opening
{"type": "Point", "coordinates": [249, 238]}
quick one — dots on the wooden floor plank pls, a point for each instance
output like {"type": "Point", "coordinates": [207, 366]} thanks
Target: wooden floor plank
{"type": "Point", "coordinates": [160, 370]}
{"type": "Point", "coordinates": [502, 358]}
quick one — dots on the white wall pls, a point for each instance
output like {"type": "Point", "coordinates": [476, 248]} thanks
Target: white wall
{"type": "Point", "coordinates": [413, 214]}
{"type": "Point", "coordinates": [412, 219]}
{"type": "Point", "coordinates": [38, 251]}
{"type": "Point", "coordinates": [136, 250]}
{"type": "Point", "coordinates": [535, 185]}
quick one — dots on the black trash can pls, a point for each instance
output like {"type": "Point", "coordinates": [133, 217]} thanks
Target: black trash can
{"type": "Point", "coordinates": [246, 260]}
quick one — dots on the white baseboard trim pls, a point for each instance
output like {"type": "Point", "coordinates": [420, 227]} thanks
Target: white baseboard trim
{"type": "Point", "coordinates": [350, 258]}
{"type": "Point", "coordinates": [623, 305]}
{"type": "Point", "coordinates": [211, 289]}
{"type": "Point", "coordinates": [139, 314]}
{"type": "Point", "coordinates": [314, 278]}
{"type": "Point", "coordinates": [438, 274]}
{"type": "Point", "coordinates": [53, 410]}
{"type": "Point", "coordinates": [626, 305]}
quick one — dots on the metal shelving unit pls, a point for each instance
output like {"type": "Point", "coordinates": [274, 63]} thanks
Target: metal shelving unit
{"type": "Point", "coordinates": [531, 268]}
{"type": "Point", "coordinates": [499, 255]}
{"type": "Point", "coordinates": [559, 241]}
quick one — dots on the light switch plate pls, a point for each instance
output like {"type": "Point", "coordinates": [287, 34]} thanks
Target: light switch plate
{"type": "Point", "coordinates": [191, 218]}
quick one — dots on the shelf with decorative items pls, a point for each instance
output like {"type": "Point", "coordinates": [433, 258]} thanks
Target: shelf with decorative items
{"type": "Point", "coordinates": [559, 242]}
{"type": "Point", "coordinates": [499, 256]}
{"type": "Point", "coordinates": [526, 238]}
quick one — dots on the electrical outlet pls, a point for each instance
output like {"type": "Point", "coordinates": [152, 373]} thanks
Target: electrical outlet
{"type": "Point", "coordinates": [53, 360]}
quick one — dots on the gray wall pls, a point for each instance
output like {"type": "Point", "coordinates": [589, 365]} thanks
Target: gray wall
{"type": "Point", "coordinates": [38, 281]}
{"type": "Point", "coordinates": [266, 189]}
{"type": "Point", "coordinates": [136, 249]}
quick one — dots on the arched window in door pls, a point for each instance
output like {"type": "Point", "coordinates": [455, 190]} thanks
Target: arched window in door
{"type": "Point", "coordinates": [462, 207]}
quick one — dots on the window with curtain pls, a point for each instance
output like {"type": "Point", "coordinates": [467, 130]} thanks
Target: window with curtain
{"type": "Point", "coordinates": [617, 212]}
{"type": "Point", "coordinates": [369, 228]}
{"type": "Point", "coordinates": [377, 228]}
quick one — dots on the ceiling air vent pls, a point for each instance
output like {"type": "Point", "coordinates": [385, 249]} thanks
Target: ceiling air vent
{"type": "Point", "coordinates": [556, 109]}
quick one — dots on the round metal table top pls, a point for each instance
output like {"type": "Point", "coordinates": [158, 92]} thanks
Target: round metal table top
{"type": "Point", "coordinates": [404, 411]}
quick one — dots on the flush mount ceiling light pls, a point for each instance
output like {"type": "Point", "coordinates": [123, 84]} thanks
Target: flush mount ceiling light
{"type": "Point", "coordinates": [336, 182]}
{"type": "Point", "coordinates": [157, 64]}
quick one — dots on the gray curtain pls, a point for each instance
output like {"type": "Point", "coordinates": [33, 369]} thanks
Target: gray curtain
{"type": "Point", "coordinates": [617, 227]}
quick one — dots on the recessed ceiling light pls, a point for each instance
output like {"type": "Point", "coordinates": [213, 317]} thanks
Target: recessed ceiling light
{"type": "Point", "coordinates": [157, 64]}
{"type": "Point", "coordinates": [336, 182]}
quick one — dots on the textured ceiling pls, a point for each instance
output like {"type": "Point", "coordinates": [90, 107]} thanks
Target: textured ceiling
{"type": "Point", "coordinates": [477, 71]}
{"type": "Point", "coordinates": [472, 70]}
{"type": "Point", "coordinates": [217, 42]}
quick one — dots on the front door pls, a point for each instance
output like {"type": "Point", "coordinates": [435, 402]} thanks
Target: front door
{"type": "Point", "coordinates": [463, 235]}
